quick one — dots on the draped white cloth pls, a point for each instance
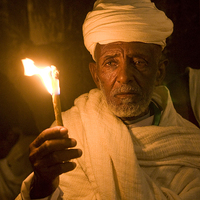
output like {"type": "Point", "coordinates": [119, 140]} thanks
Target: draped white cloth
{"type": "Point", "coordinates": [127, 21]}
{"type": "Point", "coordinates": [156, 162]}
{"type": "Point", "coordinates": [15, 168]}
{"type": "Point", "coordinates": [194, 88]}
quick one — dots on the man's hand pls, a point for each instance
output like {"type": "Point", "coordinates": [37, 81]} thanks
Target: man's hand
{"type": "Point", "coordinates": [50, 155]}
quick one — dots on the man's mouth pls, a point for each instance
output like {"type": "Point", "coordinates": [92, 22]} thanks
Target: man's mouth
{"type": "Point", "coordinates": [126, 94]}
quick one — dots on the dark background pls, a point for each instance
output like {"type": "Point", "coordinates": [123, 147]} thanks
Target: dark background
{"type": "Point", "coordinates": [50, 33]}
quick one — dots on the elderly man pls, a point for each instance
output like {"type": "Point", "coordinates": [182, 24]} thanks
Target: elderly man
{"type": "Point", "coordinates": [130, 142]}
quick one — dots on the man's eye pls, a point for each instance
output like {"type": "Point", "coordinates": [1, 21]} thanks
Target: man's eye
{"type": "Point", "coordinates": [140, 63]}
{"type": "Point", "coordinates": [111, 63]}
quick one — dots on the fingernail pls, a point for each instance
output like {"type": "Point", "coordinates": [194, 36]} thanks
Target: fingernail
{"type": "Point", "coordinates": [74, 164]}
{"type": "Point", "coordinates": [80, 152]}
{"type": "Point", "coordinates": [64, 131]}
{"type": "Point", "coordinates": [73, 142]}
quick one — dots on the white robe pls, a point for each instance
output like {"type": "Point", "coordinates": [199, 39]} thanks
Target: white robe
{"type": "Point", "coordinates": [15, 168]}
{"type": "Point", "coordinates": [156, 162]}
{"type": "Point", "coordinates": [194, 88]}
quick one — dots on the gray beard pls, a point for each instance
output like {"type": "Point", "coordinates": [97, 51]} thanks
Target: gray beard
{"type": "Point", "coordinates": [127, 107]}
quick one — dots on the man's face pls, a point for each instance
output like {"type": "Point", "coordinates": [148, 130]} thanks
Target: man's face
{"type": "Point", "coordinates": [127, 73]}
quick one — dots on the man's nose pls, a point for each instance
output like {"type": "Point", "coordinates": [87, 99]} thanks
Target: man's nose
{"type": "Point", "coordinates": [125, 73]}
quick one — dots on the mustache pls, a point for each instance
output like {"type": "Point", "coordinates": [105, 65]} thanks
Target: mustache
{"type": "Point", "coordinates": [125, 89]}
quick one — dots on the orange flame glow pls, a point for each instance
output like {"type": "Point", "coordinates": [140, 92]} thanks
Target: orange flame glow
{"type": "Point", "coordinates": [49, 75]}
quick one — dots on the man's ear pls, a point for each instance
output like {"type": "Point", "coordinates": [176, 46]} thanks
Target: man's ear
{"type": "Point", "coordinates": [161, 72]}
{"type": "Point", "coordinates": [93, 71]}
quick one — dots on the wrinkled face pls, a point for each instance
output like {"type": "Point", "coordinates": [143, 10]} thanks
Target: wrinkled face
{"type": "Point", "coordinates": [127, 73]}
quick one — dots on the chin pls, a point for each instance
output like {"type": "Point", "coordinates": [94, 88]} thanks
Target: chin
{"type": "Point", "coordinates": [127, 111]}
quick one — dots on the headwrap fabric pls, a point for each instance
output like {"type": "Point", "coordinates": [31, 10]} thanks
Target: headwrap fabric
{"type": "Point", "coordinates": [126, 21]}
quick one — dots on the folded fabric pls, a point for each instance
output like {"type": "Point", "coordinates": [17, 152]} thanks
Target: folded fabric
{"type": "Point", "coordinates": [194, 88]}
{"type": "Point", "coordinates": [130, 20]}
{"type": "Point", "coordinates": [154, 162]}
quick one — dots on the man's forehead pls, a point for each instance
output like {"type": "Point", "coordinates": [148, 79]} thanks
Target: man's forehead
{"type": "Point", "coordinates": [123, 47]}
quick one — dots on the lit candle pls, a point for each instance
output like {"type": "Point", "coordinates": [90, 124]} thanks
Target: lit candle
{"type": "Point", "coordinates": [50, 78]}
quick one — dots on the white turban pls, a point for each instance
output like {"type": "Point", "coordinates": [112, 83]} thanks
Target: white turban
{"type": "Point", "coordinates": [126, 21]}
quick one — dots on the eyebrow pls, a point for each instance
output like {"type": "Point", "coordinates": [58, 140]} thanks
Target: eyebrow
{"type": "Point", "coordinates": [111, 55]}
{"type": "Point", "coordinates": [108, 54]}
{"type": "Point", "coordinates": [140, 55]}
{"type": "Point", "coordinates": [136, 55]}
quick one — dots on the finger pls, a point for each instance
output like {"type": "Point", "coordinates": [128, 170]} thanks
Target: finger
{"type": "Point", "coordinates": [50, 146]}
{"type": "Point", "coordinates": [50, 134]}
{"type": "Point", "coordinates": [49, 173]}
{"type": "Point", "coordinates": [60, 157]}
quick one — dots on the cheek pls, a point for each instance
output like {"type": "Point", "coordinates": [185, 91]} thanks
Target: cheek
{"type": "Point", "coordinates": [149, 86]}
{"type": "Point", "coordinates": [107, 80]}
{"type": "Point", "coordinates": [148, 79]}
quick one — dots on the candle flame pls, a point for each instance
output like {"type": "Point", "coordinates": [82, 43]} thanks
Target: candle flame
{"type": "Point", "coordinates": [49, 75]}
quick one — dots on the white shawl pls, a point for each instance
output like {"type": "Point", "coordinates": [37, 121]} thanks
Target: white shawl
{"type": "Point", "coordinates": [119, 167]}
{"type": "Point", "coordinates": [194, 88]}
{"type": "Point", "coordinates": [157, 162]}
